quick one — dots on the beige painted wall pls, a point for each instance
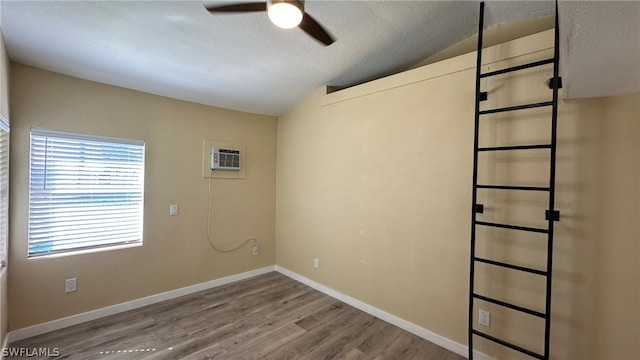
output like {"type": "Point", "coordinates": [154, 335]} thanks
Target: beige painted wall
{"type": "Point", "coordinates": [4, 110]}
{"type": "Point", "coordinates": [617, 241]}
{"type": "Point", "coordinates": [375, 182]}
{"type": "Point", "coordinates": [175, 251]}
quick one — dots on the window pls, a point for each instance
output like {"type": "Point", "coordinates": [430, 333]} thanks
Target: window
{"type": "Point", "coordinates": [4, 190]}
{"type": "Point", "coordinates": [85, 193]}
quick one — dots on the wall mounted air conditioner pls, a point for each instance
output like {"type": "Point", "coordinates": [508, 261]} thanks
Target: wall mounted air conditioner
{"type": "Point", "coordinates": [225, 159]}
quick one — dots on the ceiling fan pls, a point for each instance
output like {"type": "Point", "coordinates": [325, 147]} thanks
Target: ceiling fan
{"type": "Point", "coordinates": [286, 14]}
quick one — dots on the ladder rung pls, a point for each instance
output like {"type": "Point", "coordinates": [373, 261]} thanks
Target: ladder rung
{"type": "Point", "coordinates": [513, 227]}
{"type": "Point", "coordinates": [517, 147]}
{"type": "Point", "coordinates": [510, 306]}
{"type": "Point", "coordinates": [510, 266]}
{"type": "Point", "coordinates": [518, 67]}
{"type": "Point", "coordinates": [509, 345]}
{"type": "Point", "coordinates": [509, 187]}
{"type": "Point", "coordinates": [517, 107]}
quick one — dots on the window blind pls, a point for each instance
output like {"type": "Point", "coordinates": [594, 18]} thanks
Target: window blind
{"type": "Point", "coordinates": [4, 190]}
{"type": "Point", "coordinates": [86, 192]}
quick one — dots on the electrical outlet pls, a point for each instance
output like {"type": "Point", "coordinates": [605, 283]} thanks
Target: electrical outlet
{"type": "Point", "coordinates": [173, 210]}
{"type": "Point", "coordinates": [484, 318]}
{"type": "Point", "coordinates": [256, 250]}
{"type": "Point", "coordinates": [316, 263]}
{"type": "Point", "coordinates": [71, 285]}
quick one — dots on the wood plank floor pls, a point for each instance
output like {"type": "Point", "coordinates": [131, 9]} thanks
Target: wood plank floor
{"type": "Point", "coordinates": [266, 317]}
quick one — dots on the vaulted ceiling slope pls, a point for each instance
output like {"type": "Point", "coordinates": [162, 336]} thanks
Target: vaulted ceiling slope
{"type": "Point", "coordinates": [241, 61]}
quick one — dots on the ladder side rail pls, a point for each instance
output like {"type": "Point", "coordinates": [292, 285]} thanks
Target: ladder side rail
{"type": "Point", "coordinates": [474, 195]}
{"type": "Point", "coordinates": [552, 182]}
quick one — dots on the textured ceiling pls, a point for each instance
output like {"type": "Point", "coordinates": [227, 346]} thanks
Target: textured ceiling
{"type": "Point", "coordinates": [178, 49]}
{"type": "Point", "coordinates": [600, 47]}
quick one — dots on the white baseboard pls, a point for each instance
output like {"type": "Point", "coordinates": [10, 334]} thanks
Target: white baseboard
{"type": "Point", "coordinates": [38, 329]}
{"type": "Point", "coordinates": [439, 340]}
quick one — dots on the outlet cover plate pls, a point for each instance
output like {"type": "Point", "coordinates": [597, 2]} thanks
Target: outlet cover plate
{"type": "Point", "coordinates": [71, 285]}
{"type": "Point", "coordinates": [484, 318]}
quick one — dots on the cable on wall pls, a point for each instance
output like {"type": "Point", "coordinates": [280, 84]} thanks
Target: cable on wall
{"type": "Point", "coordinates": [209, 234]}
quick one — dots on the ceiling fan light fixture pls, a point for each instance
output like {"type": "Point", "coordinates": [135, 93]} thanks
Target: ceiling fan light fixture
{"type": "Point", "coordinates": [285, 14]}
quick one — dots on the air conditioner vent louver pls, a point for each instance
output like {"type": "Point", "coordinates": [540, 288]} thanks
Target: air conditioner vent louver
{"type": "Point", "coordinates": [225, 159]}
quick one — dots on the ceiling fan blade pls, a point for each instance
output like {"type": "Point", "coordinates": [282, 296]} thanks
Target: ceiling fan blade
{"type": "Point", "coordinates": [313, 28]}
{"type": "Point", "coordinates": [241, 7]}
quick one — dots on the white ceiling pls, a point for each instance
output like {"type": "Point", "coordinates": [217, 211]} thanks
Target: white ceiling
{"type": "Point", "coordinates": [600, 48]}
{"type": "Point", "coordinates": [241, 61]}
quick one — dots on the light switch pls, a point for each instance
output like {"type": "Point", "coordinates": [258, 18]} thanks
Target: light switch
{"type": "Point", "coordinates": [173, 210]}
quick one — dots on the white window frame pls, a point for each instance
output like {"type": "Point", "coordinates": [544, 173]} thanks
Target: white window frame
{"type": "Point", "coordinates": [4, 191]}
{"type": "Point", "coordinates": [86, 193]}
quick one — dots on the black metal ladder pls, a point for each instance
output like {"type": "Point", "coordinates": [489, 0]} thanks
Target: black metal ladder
{"type": "Point", "coordinates": [551, 214]}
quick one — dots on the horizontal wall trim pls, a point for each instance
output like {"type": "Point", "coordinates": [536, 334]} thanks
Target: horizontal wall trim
{"type": "Point", "coordinates": [542, 41]}
{"type": "Point", "coordinates": [58, 324]}
{"type": "Point", "coordinates": [439, 340]}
